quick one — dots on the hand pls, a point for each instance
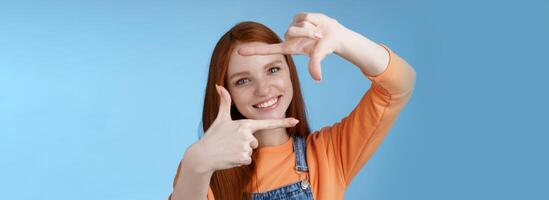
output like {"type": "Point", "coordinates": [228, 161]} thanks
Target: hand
{"type": "Point", "coordinates": [229, 143]}
{"type": "Point", "coordinates": [313, 34]}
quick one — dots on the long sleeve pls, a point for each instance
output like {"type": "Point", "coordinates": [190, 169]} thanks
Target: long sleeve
{"type": "Point", "coordinates": [346, 146]}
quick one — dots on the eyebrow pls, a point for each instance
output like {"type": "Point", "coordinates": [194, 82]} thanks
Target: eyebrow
{"type": "Point", "coordinates": [247, 72]}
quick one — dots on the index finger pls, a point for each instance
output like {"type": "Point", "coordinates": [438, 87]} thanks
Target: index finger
{"type": "Point", "coordinates": [263, 124]}
{"type": "Point", "coordinates": [266, 49]}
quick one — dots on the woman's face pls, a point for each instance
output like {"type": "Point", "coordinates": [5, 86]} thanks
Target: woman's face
{"type": "Point", "coordinates": [260, 85]}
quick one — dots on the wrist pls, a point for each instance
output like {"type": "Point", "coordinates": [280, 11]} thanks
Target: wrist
{"type": "Point", "coordinates": [195, 162]}
{"type": "Point", "coordinates": [348, 37]}
{"type": "Point", "coordinates": [370, 57]}
{"type": "Point", "coordinates": [192, 180]}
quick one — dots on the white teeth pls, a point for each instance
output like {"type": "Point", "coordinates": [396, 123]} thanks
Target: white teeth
{"type": "Point", "coordinates": [268, 103]}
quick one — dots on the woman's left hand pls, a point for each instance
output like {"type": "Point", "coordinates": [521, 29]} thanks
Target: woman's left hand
{"type": "Point", "coordinates": [313, 34]}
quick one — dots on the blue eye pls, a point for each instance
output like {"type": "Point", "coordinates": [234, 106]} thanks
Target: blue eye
{"type": "Point", "coordinates": [274, 69]}
{"type": "Point", "coordinates": [242, 81]}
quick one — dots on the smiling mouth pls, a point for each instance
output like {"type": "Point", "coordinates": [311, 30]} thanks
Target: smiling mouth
{"type": "Point", "coordinates": [270, 103]}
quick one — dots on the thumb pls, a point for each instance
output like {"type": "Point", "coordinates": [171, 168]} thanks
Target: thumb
{"type": "Point", "coordinates": [315, 68]}
{"type": "Point", "coordinates": [319, 53]}
{"type": "Point", "coordinates": [224, 102]}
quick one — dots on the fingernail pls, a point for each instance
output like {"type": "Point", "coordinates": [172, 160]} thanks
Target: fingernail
{"type": "Point", "coordinates": [294, 121]}
{"type": "Point", "coordinates": [218, 88]}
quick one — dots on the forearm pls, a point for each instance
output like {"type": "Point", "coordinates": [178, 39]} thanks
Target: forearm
{"type": "Point", "coordinates": [193, 181]}
{"type": "Point", "coordinates": [370, 57]}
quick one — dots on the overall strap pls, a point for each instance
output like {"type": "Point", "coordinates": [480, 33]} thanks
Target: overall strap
{"type": "Point", "coordinates": [300, 151]}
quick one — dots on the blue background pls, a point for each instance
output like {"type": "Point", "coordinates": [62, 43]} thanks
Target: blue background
{"type": "Point", "coordinates": [99, 99]}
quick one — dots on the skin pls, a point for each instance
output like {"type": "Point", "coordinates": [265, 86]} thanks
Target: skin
{"type": "Point", "coordinates": [256, 79]}
{"type": "Point", "coordinates": [312, 34]}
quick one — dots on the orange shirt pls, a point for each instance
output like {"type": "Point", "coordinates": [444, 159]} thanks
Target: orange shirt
{"type": "Point", "coordinates": [336, 153]}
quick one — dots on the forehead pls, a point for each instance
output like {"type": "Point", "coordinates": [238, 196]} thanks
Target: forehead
{"type": "Point", "coordinates": [238, 63]}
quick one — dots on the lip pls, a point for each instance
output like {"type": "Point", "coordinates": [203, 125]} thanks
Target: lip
{"type": "Point", "coordinates": [266, 100]}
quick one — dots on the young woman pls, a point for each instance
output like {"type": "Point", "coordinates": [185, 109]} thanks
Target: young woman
{"type": "Point", "coordinates": [258, 144]}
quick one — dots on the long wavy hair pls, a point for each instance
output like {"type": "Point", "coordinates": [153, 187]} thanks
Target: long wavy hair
{"type": "Point", "coordinates": [231, 183]}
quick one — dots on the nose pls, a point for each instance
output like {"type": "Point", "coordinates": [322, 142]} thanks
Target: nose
{"type": "Point", "coordinates": [262, 88]}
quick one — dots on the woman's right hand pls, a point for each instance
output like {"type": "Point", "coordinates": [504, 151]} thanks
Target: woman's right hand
{"type": "Point", "coordinates": [229, 143]}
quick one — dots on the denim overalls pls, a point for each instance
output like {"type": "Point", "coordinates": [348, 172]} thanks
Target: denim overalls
{"type": "Point", "coordinates": [300, 190]}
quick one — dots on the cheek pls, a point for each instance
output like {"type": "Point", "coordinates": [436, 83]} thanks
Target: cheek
{"type": "Point", "coordinates": [242, 98]}
{"type": "Point", "coordinates": [288, 84]}
{"type": "Point", "coordinates": [284, 83]}
{"type": "Point", "coordinates": [289, 91]}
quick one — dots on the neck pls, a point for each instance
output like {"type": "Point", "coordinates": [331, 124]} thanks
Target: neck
{"type": "Point", "coordinates": [271, 137]}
